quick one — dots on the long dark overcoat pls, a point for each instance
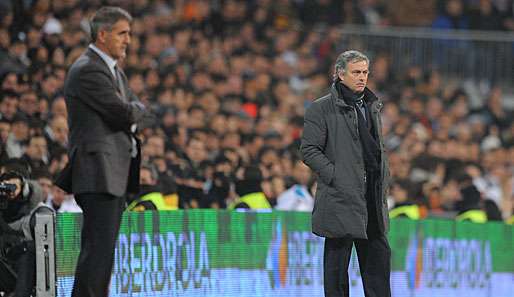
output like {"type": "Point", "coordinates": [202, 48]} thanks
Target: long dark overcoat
{"type": "Point", "coordinates": [331, 147]}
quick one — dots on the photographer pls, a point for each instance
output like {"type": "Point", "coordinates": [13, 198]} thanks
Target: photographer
{"type": "Point", "coordinates": [19, 200]}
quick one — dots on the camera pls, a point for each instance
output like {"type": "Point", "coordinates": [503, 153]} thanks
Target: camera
{"type": "Point", "coordinates": [6, 190]}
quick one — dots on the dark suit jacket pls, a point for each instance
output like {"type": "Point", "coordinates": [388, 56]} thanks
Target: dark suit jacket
{"type": "Point", "coordinates": [99, 116]}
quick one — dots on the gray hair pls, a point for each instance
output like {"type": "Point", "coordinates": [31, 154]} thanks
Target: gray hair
{"type": "Point", "coordinates": [105, 18]}
{"type": "Point", "coordinates": [351, 56]}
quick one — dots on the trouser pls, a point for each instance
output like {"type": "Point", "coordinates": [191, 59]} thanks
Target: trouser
{"type": "Point", "coordinates": [101, 224]}
{"type": "Point", "coordinates": [374, 263]}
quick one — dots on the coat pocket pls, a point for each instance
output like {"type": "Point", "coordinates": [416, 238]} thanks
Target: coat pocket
{"type": "Point", "coordinates": [98, 147]}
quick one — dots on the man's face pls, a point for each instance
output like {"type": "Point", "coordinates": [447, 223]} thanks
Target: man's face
{"type": "Point", "coordinates": [60, 129]}
{"type": "Point", "coordinates": [196, 151]}
{"type": "Point", "coordinates": [58, 195]}
{"type": "Point", "coordinates": [10, 82]}
{"type": "Point", "coordinates": [29, 103]}
{"type": "Point", "coordinates": [116, 40]}
{"type": "Point", "coordinates": [46, 185]}
{"type": "Point", "coordinates": [37, 148]}
{"type": "Point", "coordinates": [157, 145]}
{"type": "Point", "coordinates": [9, 107]}
{"type": "Point", "coordinates": [20, 130]}
{"type": "Point", "coordinates": [355, 76]}
{"type": "Point", "coordinates": [59, 107]}
{"type": "Point", "coordinates": [145, 177]}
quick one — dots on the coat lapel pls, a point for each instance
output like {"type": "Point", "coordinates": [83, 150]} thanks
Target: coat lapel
{"type": "Point", "coordinates": [118, 85]}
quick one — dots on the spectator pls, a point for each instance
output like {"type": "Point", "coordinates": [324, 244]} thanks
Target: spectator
{"type": "Point", "coordinates": [221, 182]}
{"type": "Point", "coordinates": [58, 107]}
{"type": "Point", "coordinates": [36, 153]}
{"type": "Point", "coordinates": [44, 179]}
{"type": "Point", "coordinates": [452, 17]}
{"type": "Point", "coordinates": [298, 197]}
{"type": "Point", "coordinates": [17, 139]}
{"type": "Point", "coordinates": [5, 129]}
{"type": "Point", "coordinates": [191, 175]}
{"type": "Point", "coordinates": [29, 104]}
{"type": "Point", "coordinates": [150, 196]}
{"type": "Point", "coordinates": [403, 205]}
{"type": "Point", "coordinates": [56, 134]}
{"type": "Point", "coordinates": [248, 188]}
{"type": "Point", "coordinates": [9, 105]}
{"type": "Point", "coordinates": [485, 17]}
{"type": "Point", "coordinates": [469, 207]}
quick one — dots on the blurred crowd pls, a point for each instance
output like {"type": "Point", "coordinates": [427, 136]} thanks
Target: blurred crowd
{"type": "Point", "coordinates": [228, 83]}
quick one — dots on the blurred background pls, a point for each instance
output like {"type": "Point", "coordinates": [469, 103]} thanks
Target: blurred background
{"type": "Point", "coordinates": [228, 83]}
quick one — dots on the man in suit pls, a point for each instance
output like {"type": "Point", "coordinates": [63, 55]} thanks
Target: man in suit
{"type": "Point", "coordinates": [104, 154]}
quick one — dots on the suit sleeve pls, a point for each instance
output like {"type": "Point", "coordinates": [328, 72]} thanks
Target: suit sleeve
{"type": "Point", "coordinates": [98, 93]}
{"type": "Point", "coordinates": [313, 144]}
{"type": "Point", "coordinates": [146, 119]}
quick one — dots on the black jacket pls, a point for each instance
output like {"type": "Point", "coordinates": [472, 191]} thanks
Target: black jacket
{"type": "Point", "coordinates": [332, 149]}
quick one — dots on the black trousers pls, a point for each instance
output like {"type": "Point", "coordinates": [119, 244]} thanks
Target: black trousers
{"type": "Point", "coordinates": [374, 263]}
{"type": "Point", "coordinates": [101, 224]}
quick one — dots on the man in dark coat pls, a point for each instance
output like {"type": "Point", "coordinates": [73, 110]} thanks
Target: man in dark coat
{"type": "Point", "coordinates": [104, 155]}
{"type": "Point", "coordinates": [343, 144]}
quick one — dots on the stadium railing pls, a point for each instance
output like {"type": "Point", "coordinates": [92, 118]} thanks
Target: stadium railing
{"type": "Point", "coordinates": [473, 55]}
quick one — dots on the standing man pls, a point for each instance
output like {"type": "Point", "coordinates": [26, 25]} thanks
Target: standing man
{"type": "Point", "coordinates": [104, 154]}
{"type": "Point", "coordinates": [342, 143]}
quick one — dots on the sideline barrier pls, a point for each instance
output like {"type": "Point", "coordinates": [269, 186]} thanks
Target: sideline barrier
{"type": "Point", "coordinates": [222, 253]}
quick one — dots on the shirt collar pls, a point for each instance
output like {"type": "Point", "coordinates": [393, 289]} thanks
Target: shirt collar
{"type": "Point", "coordinates": [107, 59]}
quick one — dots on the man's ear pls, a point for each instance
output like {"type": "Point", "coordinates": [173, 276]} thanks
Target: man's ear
{"type": "Point", "coordinates": [101, 36]}
{"type": "Point", "coordinates": [339, 74]}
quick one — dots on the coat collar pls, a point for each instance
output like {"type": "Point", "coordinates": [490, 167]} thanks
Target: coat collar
{"type": "Point", "coordinates": [108, 60]}
{"type": "Point", "coordinates": [369, 98]}
{"type": "Point", "coordinates": [96, 57]}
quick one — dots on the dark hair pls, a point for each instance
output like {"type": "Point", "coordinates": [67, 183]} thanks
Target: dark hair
{"type": "Point", "coordinates": [17, 165]}
{"type": "Point", "coordinates": [492, 210]}
{"type": "Point", "coordinates": [105, 18]}
{"type": "Point", "coordinates": [9, 94]}
{"type": "Point", "coordinates": [251, 182]}
{"type": "Point", "coordinates": [41, 173]}
{"type": "Point", "coordinates": [342, 61]}
{"type": "Point", "coordinates": [151, 168]}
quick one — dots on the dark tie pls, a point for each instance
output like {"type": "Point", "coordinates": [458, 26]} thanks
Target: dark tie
{"type": "Point", "coordinates": [359, 104]}
{"type": "Point", "coordinates": [119, 82]}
